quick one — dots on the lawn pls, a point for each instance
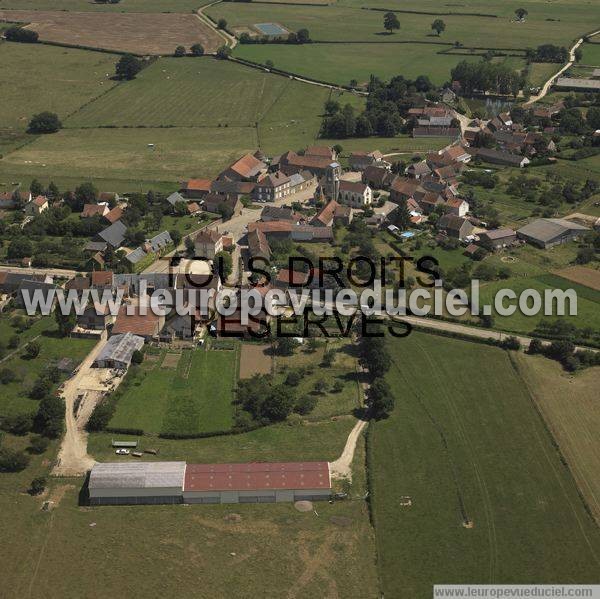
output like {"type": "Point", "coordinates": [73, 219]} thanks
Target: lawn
{"type": "Point", "coordinates": [570, 407]}
{"type": "Point", "coordinates": [14, 398]}
{"type": "Point", "coordinates": [343, 369]}
{"type": "Point", "coordinates": [180, 393]}
{"type": "Point", "coordinates": [40, 77]}
{"type": "Point", "coordinates": [466, 444]}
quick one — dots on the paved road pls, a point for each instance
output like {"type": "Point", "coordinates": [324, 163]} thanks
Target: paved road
{"type": "Point", "coordinates": [550, 82]}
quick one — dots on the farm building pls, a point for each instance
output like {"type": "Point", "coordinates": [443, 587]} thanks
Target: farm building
{"type": "Point", "coordinates": [177, 482]}
{"type": "Point", "coordinates": [116, 483]}
{"type": "Point", "coordinates": [118, 351]}
{"type": "Point", "coordinates": [548, 232]}
{"type": "Point", "coordinates": [256, 482]}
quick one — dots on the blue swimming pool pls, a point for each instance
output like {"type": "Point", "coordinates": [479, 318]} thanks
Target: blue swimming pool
{"type": "Point", "coordinates": [407, 234]}
{"type": "Point", "coordinates": [272, 29]}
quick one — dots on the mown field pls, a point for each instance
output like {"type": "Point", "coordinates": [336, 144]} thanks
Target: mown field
{"type": "Point", "coordinates": [465, 443]}
{"type": "Point", "coordinates": [37, 78]}
{"type": "Point", "coordinates": [569, 406]}
{"type": "Point", "coordinates": [591, 54]}
{"type": "Point", "coordinates": [339, 63]}
{"type": "Point", "coordinates": [90, 5]}
{"type": "Point", "coordinates": [185, 393]}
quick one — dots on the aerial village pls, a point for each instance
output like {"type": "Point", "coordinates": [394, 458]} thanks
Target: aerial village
{"type": "Point", "coordinates": [262, 207]}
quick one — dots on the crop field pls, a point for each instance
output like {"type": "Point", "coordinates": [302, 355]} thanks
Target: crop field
{"type": "Point", "coordinates": [57, 79]}
{"type": "Point", "coordinates": [569, 406]}
{"type": "Point", "coordinates": [150, 6]}
{"type": "Point", "coordinates": [179, 393]}
{"type": "Point", "coordinates": [490, 499]}
{"type": "Point", "coordinates": [339, 63]}
{"type": "Point", "coordinates": [255, 359]}
{"type": "Point", "coordinates": [124, 32]}
{"type": "Point", "coordinates": [14, 397]}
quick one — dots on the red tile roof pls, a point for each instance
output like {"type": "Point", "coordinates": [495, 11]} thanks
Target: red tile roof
{"type": "Point", "coordinates": [92, 210]}
{"type": "Point", "coordinates": [102, 278]}
{"type": "Point", "coordinates": [114, 215]}
{"type": "Point", "coordinates": [291, 277]}
{"type": "Point", "coordinates": [247, 166]}
{"type": "Point", "coordinates": [198, 185]}
{"type": "Point", "coordinates": [139, 324]}
{"type": "Point", "coordinates": [318, 151]}
{"type": "Point", "coordinates": [257, 476]}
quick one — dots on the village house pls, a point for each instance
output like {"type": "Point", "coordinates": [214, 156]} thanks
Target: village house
{"type": "Point", "coordinates": [355, 194]}
{"type": "Point", "coordinates": [30, 286]}
{"type": "Point", "coordinates": [90, 210]}
{"type": "Point", "coordinates": [402, 189]}
{"type": "Point", "coordinates": [145, 325]}
{"type": "Point", "coordinates": [320, 166]}
{"type": "Point", "coordinates": [270, 213]}
{"type": "Point", "coordinates": [456, 154]}
{"type": "Point", "coordinates": [457, 206]}
{"type": "Point", "coordinates": [455, 226]}
{"type": "Point", "coordinates": [114, 215]}
{"type": "Point", "coordinates": [326, 216]}
{"type": "Point", "coordinates": [321, 151]}
{"type": "Point", "coordinates": [114, 235]}
{"type": "Point", "coordinates": [193, 208]}
{"type": "Point", "coordinates": [302, 181]}
{"type": "Point", "coordinates": [7, 198]}
{"type": "Point", "coordinates": [272, 186]}
{"type": "Point", "coordinates": [258, 245]}
{"type": "Point", "coordinates": [102, 279]}
{"type": "Point", "coordinates": [416, 170]}
{"type": "Point", "coordinates": [208, 243]}
{"type": "Point", "coordinates": [176, 198]}
{"type": "Point", "coordinates": [95, 317]}
{"type": "Point", "coordinates": [288, 230]}
{"type": "Point", "coordinates": [219, 204]}
{"type": "Point", "coordinates": [36, 206]}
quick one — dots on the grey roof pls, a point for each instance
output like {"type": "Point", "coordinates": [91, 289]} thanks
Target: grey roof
{"type": "Point", "coordinates": [593, 84]}
{"type": "Point", "coordinates": [115, 234]}
{"type": "Point", "coordinates": [176, 197]}
{"type": "Point", "coordinates": [120, 348]}
{"type": "Point", "coordinates": [95, 246]}
{"type": "Point", "coordinates": [160, 241]}
{"type": "Point", "coordinates": [546, 229]}
{"type": "Point", "coordinates": [135, 256]}
{"type": "Point", "coordinates": [31, 286]}
{"type": "Point", "coordinates": [296, 179]}
{"type": "Point", "coordinates": [140, 475]}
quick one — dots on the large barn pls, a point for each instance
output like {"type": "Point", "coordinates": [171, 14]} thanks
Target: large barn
{"type": "Point", "coordinates": [121, 483]}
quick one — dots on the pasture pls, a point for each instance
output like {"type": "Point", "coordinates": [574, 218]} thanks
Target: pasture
{"type": "Point", "coordinates": [38, 78]}
{"type": "Point", "coordinates": [490, 499]}
{"type": "Point", "coordinates": [123, 32]}
{"type": "Point", "coordinates": [339, 63]}
{"type": "Point", "coordinates": [138, 6]}
{"type": "Point", "coordinates": [591, 54]}
{"type": "Point", "coordinates": [180, 393]}
{"type": "Point", "coordinates": [569, 406]}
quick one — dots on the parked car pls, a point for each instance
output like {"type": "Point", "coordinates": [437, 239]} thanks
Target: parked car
{"type": "Point", "coordinates": [122, 452]}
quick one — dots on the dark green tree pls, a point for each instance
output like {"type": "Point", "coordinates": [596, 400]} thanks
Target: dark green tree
{"type": "Point", "coordinates": [44, 122]}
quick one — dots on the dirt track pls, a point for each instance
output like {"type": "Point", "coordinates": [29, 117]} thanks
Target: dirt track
{"type": "Point", "coordinates": [73, 459]}
{"type": "Point", "coordinates": [138, 33]}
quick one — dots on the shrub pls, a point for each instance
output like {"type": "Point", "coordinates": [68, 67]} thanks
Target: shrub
{"type": "Point", "coordinates": [197, 50]}
{"type": "Point", "coordinates": [40, 388]}
{"type": "Point", "coordinates": [293, 378]}
{"type": "Point", "coordinates": [44, 122]}
{"type": "Point", "coordinates": [137, 357]}
{"type": "Point", "coordinates": [50, 416]}
{"type": "Point", "coordinates": [13, 342]}
{"type": "Point", "coordinates": [7, 376]}
{"type": "Point", "coordinates": [224, 52]}
{"type": "Point", "coordinates": [37, 486]}
{"type": "Point", "coordinates": [179, 51]}
{"type": "Point", "coordinates": [32, 350]}
{"type": "Point", "coordinates": [338, 386]}
{"type": "Point", "coordinates": [128, 67]}
{"type": "Point", "coordinates": [18, 34]}
{"type": "Point", "coordinates": [38, 444]}
{"type": "Point", "coordinates": [13, 461]}
{"type": "Point", "coordinates": [20, 424]}
{"type": "Point", "coordinates": [510, 343]}
{"type": "Point", "coordinates": [536, 347]}
{"type": "Point", "coordinates": [305, 405]}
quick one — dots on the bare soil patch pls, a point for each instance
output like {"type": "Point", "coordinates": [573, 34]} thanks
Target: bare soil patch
{"type": "Point", "coordinates": [582, 275]}
{"type": "Point", "coordinates": [254, 359]}
{"type": "Point", "coordinates": [138, 33]}
{"type": "Point", "coordinates": [171, 360]}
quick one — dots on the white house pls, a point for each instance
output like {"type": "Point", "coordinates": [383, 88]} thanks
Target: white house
{"type": "Point", "coordinates": [36, 206]}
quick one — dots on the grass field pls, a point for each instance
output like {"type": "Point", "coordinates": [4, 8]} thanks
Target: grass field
{"type": "Point", "coordinates": [57, 79]}
{"type": "Point", "coordinates": [591, 54]}
{"type": "Point", "coordinates": [540, 73]}
{"type": "Point", "coordinates": [180, 393]}
{"type": "Point", "coordinates": [187, 92]}
{"type": "Point", "coordinates": [465, 431]}
{"type": "Point", "coordinates": [343, 369]}
{"type": "Point", "coordinates": [87, 5]}
{"type": "Point", "coordinates": [569, 406]}
{"type": "Point", "coordinates": [128, 551]}
{"type": "Point", "coordinates": [14, 398]}
{"type": "Point", "coordinates": [339, 63]}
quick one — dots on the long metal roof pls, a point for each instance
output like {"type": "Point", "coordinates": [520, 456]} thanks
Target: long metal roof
{"type": "Point", "coordinates": [137, 475]}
